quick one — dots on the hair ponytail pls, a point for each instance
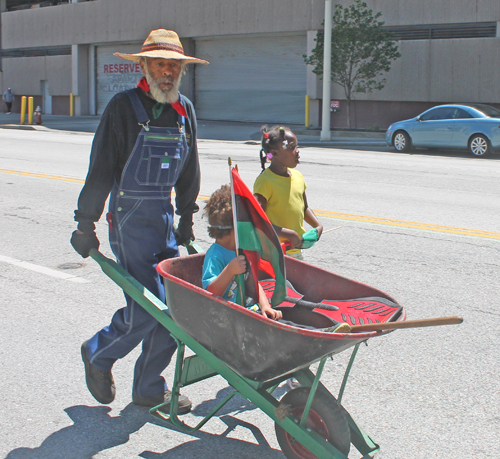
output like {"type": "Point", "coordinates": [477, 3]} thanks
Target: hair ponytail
{"type": "Point", "coordinates": [263, 159]}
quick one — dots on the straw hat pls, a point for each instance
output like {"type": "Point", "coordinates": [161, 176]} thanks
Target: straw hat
{"type": "Point", "coordinates": [164, 44]}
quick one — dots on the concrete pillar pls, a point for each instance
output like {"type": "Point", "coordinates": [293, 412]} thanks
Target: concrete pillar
{"type": "Point", "coordinates": [313, 84]}
{"type": "Point", "coordinates": [80, 78]}
{"type": "Point", "coordinates": [92, 80]}
{"type": "Point", "coordinates": [3, 6]}
{"type": "Point", "coordinates": [187, 83]}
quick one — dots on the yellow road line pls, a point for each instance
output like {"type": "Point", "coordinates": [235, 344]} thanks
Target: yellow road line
{"type": "Point", "coordinates": [408, 224]}
{"type": "Point", "coordinates": [47, 176]}
{"type": "Point", "coordinates": [323, 213]}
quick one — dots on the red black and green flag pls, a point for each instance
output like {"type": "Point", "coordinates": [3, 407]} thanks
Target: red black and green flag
{"type": "Point", "coordinates": [255, 235]}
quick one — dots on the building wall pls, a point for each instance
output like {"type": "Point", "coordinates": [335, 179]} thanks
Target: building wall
{"type": "Point", "coordinates": [107, 21]}
{"type": "Point", "coordinates": [429, 71]}
{"type": "Point", "coordinates": [25, 74]}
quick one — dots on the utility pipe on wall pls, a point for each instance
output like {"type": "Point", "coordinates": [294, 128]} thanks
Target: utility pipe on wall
{"type": "Point", "coordinates": [327, 70]}
{"type": "Point", "coordinates": [307, 110]}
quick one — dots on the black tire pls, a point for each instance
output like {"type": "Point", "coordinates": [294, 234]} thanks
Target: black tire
{"type": "Point", "coordinates": [479, 146]}
{"type": "Point", "coordinates": [401, 141]}
{"type": "Point", "coordinates": [325, 417]}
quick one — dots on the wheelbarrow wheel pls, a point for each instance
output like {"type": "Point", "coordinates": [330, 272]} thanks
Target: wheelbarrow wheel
{"type": "Point", "coordinates": [325, 418]}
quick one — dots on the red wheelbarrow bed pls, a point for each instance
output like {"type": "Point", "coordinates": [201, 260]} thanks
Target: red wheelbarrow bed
{"type": "Point", "coordinates": [258, 348]}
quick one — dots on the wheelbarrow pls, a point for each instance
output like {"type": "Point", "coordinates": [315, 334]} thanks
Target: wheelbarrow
{"type": "Point", "coordinates": [255, 354]}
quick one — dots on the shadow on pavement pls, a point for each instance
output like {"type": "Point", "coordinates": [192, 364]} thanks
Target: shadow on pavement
{"type": "Point", "coordinates": [211, 446]}
{"type": "Point", "coordinates": [94, 430]}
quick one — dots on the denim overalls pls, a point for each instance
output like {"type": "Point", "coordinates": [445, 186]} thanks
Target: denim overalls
{"type": "Point", "coordinates": [141, 235]}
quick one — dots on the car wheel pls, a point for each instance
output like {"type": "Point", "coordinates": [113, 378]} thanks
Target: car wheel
{"type": "Point", "coordinates": [479, 145]}
{"type": "Point", "coordinates": [401, 141]}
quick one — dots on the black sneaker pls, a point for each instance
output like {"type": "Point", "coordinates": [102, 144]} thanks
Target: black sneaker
{"type": "Point", "coordinates": [183, 403]}
{"type": "Point", "coordinates": [100, 383]}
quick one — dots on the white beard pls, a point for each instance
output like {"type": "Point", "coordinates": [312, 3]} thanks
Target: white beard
{"type": "Point", "coordinates": [165, 96]}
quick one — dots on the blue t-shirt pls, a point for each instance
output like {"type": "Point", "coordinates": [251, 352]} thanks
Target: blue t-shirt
{"type": "Point", "coordinates": [216, 259]}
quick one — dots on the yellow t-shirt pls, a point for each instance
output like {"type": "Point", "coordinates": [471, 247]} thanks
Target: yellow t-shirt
{"type": "Point", "coordinates": [285, 199]}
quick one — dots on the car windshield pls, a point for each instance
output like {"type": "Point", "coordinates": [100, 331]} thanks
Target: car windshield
{"type": "Point", "coordinates": [492, 112]}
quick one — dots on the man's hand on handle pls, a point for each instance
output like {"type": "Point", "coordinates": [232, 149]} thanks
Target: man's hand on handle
{"type": "Point", "coordinates": [184, 231]}
{"type": "Point", "coordinates": [83, 242]}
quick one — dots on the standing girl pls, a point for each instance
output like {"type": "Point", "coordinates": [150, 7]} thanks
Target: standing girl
{"type": "Point", "coordinates": [281, 190]}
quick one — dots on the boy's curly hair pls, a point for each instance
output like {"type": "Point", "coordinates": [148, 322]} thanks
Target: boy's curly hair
{"type": "Point", "coordinates": [220, 212]}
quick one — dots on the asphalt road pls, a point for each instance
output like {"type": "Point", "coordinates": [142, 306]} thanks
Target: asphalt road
{"type": "Point", "coordinates": [423, 228]}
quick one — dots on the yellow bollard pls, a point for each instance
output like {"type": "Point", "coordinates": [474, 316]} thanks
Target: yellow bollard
{"type": "Point", "coordinates": [23, 109]}
{"type": "Point", "coordinates": [30, 110]}
{"type": "Point", "coordinates": [307, 111]}
{"type": "Point", "coordinates": [71, 104]}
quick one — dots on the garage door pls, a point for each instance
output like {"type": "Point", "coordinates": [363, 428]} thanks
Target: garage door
{"type": "Point", "coordinates": [115, 74]}
{"type": "Point", "coordinates": [251, 79]}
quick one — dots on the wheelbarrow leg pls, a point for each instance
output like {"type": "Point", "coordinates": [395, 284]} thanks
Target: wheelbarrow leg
{"type": "Point", "coordinates": [183, 377]}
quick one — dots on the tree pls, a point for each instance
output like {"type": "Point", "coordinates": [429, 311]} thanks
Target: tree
{"type": "Point", "coordinates": [362, 51]}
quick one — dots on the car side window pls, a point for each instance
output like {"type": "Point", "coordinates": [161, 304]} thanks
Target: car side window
{"type": "Point", "coordinates": [462, 114]}
{"type": "Point", "coordinates": [443, 113]}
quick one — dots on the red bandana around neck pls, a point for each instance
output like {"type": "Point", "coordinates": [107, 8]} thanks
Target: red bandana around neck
{"type": "Point", "coordinates": [179, 108]}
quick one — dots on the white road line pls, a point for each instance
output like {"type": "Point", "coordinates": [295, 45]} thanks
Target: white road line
{"type": "Point", "coordinates": [43, 270]}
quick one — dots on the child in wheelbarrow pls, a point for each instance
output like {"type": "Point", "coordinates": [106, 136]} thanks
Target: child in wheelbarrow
{"type": "Point", "coordinates": [281, 191]}
{"type": "Point", "coordinates": [221, 264]}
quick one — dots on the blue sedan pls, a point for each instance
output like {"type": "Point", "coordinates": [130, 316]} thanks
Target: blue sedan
{"type": "Point", "coordinates": [475, 127]}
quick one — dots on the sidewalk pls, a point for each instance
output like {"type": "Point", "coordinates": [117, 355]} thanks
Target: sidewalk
{"type": "Point", "coordinates": [207, 129]}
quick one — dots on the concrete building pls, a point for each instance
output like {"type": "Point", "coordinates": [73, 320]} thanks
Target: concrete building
{"type": "Point", "coordinates": [450, 53]}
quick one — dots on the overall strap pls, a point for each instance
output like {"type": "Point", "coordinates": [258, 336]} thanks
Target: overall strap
{"type": "Point", "coordinates": [140, 111]}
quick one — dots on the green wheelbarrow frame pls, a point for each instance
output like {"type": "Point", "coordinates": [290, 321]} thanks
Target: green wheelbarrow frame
{"type": "Point", "coordinates": [204, 365]}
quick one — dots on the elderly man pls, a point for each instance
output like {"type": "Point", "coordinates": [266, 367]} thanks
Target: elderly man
{"type": "Point", "coordinates": [145, 145]}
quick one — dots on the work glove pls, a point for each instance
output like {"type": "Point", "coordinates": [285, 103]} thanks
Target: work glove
{"type": "Point", "coordinates": [184, 231]}
{"type": "Point", "coordinates": [83, 242]}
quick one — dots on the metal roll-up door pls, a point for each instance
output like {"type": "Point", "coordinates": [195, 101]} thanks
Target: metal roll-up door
{"type": "Point", "coordinates": [115, 74]}
{"type": "Point", "coordinates": [260, 79]}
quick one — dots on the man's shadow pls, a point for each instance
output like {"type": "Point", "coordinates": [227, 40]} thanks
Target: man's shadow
{"type": "Point", "coordinates": [94, 430]}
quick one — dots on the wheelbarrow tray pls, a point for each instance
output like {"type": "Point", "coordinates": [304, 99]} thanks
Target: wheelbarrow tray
{"type": "Point", "coordinates": [258, 348]}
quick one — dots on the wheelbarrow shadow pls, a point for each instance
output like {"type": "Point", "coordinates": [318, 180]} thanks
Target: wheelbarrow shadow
{"type": "Point", "coordinates": [95, 430]}
{"type": "Point", "coordinates": [237, 404]}
{"type": "Point", "coordinates": [215, 446]}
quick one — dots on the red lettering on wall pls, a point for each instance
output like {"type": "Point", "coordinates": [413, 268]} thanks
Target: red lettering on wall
{"type": "Point", "coordinates": [122, 68]}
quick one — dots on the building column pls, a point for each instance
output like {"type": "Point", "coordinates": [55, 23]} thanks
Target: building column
{"type": "Point", "coordinates": [92, 98]}
{"type": "Point", "coordinates": [80, 78]}
{"type": "Point", "coordinates": [313, 84]}
{"type": "Point", "coordinates": [187, 83]}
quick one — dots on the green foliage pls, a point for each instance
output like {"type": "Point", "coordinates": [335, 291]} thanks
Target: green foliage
{"type": "Point", "coordinates": [362, 50]}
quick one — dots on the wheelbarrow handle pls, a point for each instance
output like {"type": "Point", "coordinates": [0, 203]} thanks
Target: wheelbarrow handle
{"type": "Point", "coordinates": [452, 320]}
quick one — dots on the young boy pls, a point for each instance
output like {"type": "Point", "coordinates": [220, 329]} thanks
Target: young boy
{"type": "Point", "coordinates": [221, 264]}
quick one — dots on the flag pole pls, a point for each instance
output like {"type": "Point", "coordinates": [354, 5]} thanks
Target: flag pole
{"type": "Point", "coordinates": [240, 277]}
